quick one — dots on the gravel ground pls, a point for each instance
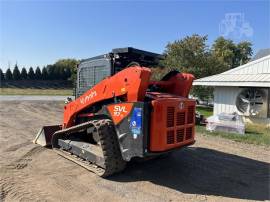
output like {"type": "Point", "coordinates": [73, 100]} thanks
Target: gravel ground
{"type": "Point", "coordinates": [214, 169]}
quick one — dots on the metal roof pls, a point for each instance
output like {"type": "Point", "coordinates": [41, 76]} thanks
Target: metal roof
{"type": "Point", "coordinates": [126, 50]}
{"type": "Point", "coordinates": [255, 73]}
{"type": "Point", "coordinates": [137, 51]}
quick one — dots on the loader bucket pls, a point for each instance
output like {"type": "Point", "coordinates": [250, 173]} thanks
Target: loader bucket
{"type": "Point", "coordinates": [44, 135]}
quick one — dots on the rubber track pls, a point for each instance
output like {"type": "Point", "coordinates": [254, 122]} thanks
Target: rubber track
{"type": "Point", "coordinates": [109, 143]}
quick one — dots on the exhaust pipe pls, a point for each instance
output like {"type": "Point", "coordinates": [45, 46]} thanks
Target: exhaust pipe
{"type": "Point", "coordinates": [44, 135]}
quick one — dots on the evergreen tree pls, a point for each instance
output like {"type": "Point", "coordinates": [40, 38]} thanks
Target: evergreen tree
{"type": "Point", "coordinates": [23, 73]}
{"type": "Point", "coordinates": [8, 75]}
{"type": "Point", "coordinates": [16, 73]}
{"type": "Point", "coordinates": [50, 72]}
{"type": "Point", "coordinates": [2, 76]}
{"type": "Point", "coordinates": [44, 74]}
{"type": "Point", "coordinates": [38, 73]}
{"type": "Point", "coordinates": [31, 73]}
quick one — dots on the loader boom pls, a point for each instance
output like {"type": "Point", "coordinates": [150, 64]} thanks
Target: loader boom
{"type": "Point", "coordinates": [131, 84]}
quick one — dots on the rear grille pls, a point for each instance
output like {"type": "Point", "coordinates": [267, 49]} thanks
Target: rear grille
{"type": "Point", "coordinates": [178, 124]}
{"type": "Point", "coordinates": [170, 116]}
{"type": "Point", "coordinates": [188, 133]}
{"type": "Point", "coordinates": [190, 116]}
{"type": "Point", "coordinates": [180, 119]}
{"type": "Point", "coordinates": [170, 137]}
{"type": "Point", "coordinates": [180, 135]}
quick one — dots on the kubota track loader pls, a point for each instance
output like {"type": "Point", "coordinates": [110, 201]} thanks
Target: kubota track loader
{"type": "Point", "coordinates": [119, 114]}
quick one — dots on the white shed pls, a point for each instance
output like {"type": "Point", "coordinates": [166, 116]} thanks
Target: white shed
{"type": "Point", "coordinates": [245, 90]}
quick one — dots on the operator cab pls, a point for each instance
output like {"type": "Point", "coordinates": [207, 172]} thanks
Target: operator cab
{"type": "Point", "coordinates": [93, 70]}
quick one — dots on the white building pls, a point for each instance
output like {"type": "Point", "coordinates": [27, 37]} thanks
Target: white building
{"type": "Point", "coordinates": [245, 90]}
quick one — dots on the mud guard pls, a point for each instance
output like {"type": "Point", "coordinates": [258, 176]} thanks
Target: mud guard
{"type": "Point", "coordinates": [44, 135]}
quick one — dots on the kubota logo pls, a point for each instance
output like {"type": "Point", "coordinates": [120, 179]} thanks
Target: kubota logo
{"type": "Point", "coordinates": [88, 97]}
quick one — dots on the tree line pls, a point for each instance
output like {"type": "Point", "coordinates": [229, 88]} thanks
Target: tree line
{"type": "Point", "coordinates": [191, 54]}
{"type": "Point", "coordinates": [63, 69]}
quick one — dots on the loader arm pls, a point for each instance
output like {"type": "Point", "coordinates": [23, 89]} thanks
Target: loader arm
{"type": "Point", "coordinates": [178, 84]}
{"type": "Point", "coordinates": [130, 83]}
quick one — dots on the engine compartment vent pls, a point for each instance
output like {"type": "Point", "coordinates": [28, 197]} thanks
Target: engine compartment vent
{"type": "Point", "coordinates": [170, 137]}
{"type": "Point", "coordinates": [180, 119]}
{"type": "Point", "coordinates": [170, 116]}
{"type": "Point", "coordinates": [180, 135]}
{"type": "Point", "coordinates": [188, 133]}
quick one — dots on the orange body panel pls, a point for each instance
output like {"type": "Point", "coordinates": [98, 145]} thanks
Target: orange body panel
{"type": "Point", "coordinates": [131, 82]}
{"type": "Point", "coordinates": [180, 84]}
{"type": "Point", "coordinates": [172, 122]}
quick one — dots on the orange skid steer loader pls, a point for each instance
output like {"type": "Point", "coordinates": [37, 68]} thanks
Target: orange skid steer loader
{"type": "Point", "coordinates": [119, 114]}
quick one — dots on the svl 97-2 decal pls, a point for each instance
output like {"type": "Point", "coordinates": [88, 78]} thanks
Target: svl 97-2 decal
{"type": "Point", "coordinates": [119, 111]}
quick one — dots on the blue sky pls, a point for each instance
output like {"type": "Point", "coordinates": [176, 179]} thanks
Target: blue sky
{"type": "Point", "coordinates": [36, 33]}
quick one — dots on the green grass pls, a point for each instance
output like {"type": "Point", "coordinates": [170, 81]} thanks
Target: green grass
{"type": "Point", "coordinates": [255, 134]}
{"type": "Point", "coordinates": [206, 111]}
{"type": "Point", "coordinates": [33, 91]}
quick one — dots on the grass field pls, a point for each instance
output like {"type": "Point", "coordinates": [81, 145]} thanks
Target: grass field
{"type": "Point", "coordinates": [206, 111]}
{"type": "Point", "coordinates": [32, 91]}
{"type": "Point", "coordinates": [255, 134]}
